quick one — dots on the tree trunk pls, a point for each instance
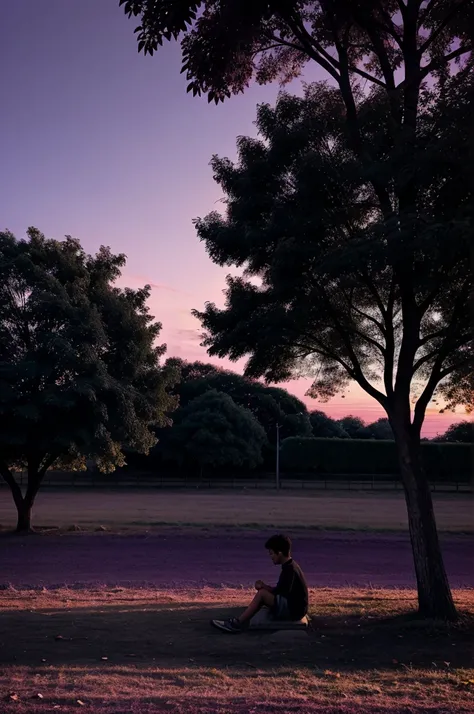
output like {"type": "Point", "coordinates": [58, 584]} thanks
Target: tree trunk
{"type": "Point", "coordinates": [24, 517]}
{"type": "Point", "coordinates": [434, 595]}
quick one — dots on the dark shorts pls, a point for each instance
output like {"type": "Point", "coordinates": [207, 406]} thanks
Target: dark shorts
{"type": "Point", "coordinates": [280, 609]}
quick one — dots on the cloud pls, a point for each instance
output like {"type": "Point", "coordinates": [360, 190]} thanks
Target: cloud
{"type": "Point", "coordinates": [135, 281]}
{"type": "Point", "coordinates": [188, 334]}
{"type": "Point", "coordinates": [162, 286]}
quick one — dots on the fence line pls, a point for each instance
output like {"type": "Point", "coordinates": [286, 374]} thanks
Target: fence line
{"type": "Point", "coordinates": [336, 482]}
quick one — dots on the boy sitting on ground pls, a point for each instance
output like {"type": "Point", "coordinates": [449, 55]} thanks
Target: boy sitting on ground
{"type": "Point", "coordinates": [287, 601]}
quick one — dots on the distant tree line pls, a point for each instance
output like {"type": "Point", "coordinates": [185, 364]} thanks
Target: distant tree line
{"type": "Point", "coordinates": [81, 382]}
{"type": "Point", "coordinates": [228, 420]}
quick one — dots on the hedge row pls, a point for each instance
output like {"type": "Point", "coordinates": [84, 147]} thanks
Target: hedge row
{"type": "Point", "coordinates": [443, 462]}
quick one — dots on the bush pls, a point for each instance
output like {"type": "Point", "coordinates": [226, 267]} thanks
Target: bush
{"type": "Point", "coordinates": [443, 462]}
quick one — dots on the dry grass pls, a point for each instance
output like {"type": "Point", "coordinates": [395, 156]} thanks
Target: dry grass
{"type": "Point", "coordinates": [140, 651]}
{"type": "Point", "coordinates": [137, 509]}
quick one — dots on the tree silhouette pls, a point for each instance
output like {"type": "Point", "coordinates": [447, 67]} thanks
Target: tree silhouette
{"type": "Point", "coordinates": [352, 425]}
{"type": "Point", "coordinates": [326, 428]}
{"type": "Point", "coordinates": [212, 430]}
{"type": "Point", "coordinates": [355, 208]}
{"type": "Point", "coordinates": [79, 370]}
{"type": "Point", "coordinates": [270, 405]}
{"type": "Point", "coordinates": [463, 432]}
{"type": "Point", "coordinates": [347, 293]}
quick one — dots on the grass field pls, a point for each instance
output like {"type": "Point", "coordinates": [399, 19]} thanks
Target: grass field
{"type": "Point", "coordinates": [132, 509]}
{"type": "Point", "coordinates": [136, 651]}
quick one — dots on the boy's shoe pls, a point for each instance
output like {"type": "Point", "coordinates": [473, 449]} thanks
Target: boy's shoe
{"type": "Point", "coordinates": [232, 625]}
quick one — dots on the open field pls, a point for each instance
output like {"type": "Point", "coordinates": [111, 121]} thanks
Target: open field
{"type": "Point", "coordinates": [132, 509]}
{"type": "Point", "coordinates": [117, 651]}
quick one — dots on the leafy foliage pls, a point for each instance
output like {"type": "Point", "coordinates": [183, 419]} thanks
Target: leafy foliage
{"type": "Point", "coordinates": [352, 425]}
{"type": "Point", "coordinates": [79, 369]}
{"type": "Point", "coordinates": [463, 431]}
{"type": "Point", "coordinates": [380, 429]}
{"type": "Point", "coordinates": [354, 209]}
{"type": "Point", "coordinates": [326, 428]}
{"type": "Point", "coordinates": [212, 430]}
{"type": "Point", "coordinates": [226, 43]}
{"type": "Point", "coordinates": [303, 217]}
{"type": "Point", "coordinates": [270, 405]}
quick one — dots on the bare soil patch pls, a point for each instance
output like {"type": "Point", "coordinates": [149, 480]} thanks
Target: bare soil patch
{"type": "Point", "coordinates": [189, 558]}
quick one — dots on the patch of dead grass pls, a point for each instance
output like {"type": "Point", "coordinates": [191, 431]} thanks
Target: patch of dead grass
{"type": "Point", "coordinates": [147, 509]}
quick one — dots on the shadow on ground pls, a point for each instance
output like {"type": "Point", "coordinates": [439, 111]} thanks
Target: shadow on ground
{"type": "Point", "coordinates": [174, 635]}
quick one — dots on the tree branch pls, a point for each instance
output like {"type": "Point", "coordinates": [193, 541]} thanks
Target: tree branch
{"type": "Point", "coordinates": [422, 360]}
{"type": "Point", "coordinates": [390, 26]}
{"type": "Point", "coordinates": [389, 342]}
{"type": "Point", "coordinates": [356, 371]}
{"type": "Point", "coordinates": [375, 293]}
{"type": "Point", "coordinates": [366, 75]}
{"type": "Point", "coordinates": [369, 23]}
{"type": "Point", "coordinates": [442, 26]}
{"type": "Point", "coordinates": [367, 317]}
{"type": "Point", "coordinates": [437, 63]}
{"type": "Point", "coordinates": [10, 480]}
{"type": "Point", "coordinates": [48, 462]}
{"type": "Point", "coordinates": [437, 372]}
{"type": "Point", "coordinates": [312, 49]}
{"type": "Point", "coordinates": [427, 11]}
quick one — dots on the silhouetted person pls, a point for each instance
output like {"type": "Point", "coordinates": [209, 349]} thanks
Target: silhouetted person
{"type": "Point", "coordinates": [287, 601]}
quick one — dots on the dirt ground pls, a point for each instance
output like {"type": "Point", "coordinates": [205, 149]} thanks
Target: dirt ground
{"type": "Point", "coordinates": [189, 557]}
{"type": "Point", "coordinates": [325, 509]}
{"type": "Point", "coordinates": [122, 650]}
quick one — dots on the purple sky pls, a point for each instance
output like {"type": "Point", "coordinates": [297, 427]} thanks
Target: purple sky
{"type": "Point", "coordinates": [104, 144]}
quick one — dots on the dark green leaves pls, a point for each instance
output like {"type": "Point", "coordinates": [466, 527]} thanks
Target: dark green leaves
{"type": "Point", "coordinates": [212, 430]}
{"type": "Point", "coordinates": [79, 368]}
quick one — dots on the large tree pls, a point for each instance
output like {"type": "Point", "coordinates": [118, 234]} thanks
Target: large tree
{"type": "Point", "coordinates": [212, 430]}
{"type": "Point", "coordinates": [80, 377]}
{"type": "Point", "coordinates": [346, 294]}
{"type": "Point", "coordinates": [270, 405]}
{"type": "Point", "coordinates": [355, 209]}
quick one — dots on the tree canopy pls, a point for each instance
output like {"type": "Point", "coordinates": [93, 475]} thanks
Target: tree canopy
{"type": "Point", "coordinates": [380, 429]}
{"type": "Point", "coordinates": [212, 430]}
{"type": "Point", "coordinates": [352, 211]}
{"type": "Point", "coordinates": [302, 218]}
{"type": "Point", "coordinates": [80, 374]}
{"type": "Point", "coordinates": [270, 405]}
{"type": "Point", "coordinates": [352, 425]}
{"type": "Point", "coordinates": [227, 43]}
{"type": "Point", "coordinates": [326, 428]}
{"type": "Point", "coordinates": [462, 431]}
{"type": "Point", "coordinates": [357, 263]}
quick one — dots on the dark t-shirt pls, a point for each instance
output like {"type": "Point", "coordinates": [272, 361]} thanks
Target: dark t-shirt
{"type": "Point", "coordinates": [292, 586]}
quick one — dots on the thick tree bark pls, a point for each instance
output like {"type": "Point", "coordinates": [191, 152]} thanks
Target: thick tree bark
{"type": "Point", "coordinates": [24, 517]}
{"type": "Point", "coordinates": [24, 504]}
{"type": "Point", "coordinates": [434, 595]}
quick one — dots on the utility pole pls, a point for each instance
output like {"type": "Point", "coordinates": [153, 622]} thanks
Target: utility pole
{"type": "Point", "coordinates": [277, 469]}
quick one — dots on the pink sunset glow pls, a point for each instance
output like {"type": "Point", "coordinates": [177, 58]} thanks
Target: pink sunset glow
{"type": "Point", "coordinates": [104, 144]}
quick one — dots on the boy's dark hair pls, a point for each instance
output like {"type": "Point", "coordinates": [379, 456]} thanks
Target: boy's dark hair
{"type": "Point", "coordinates": [279, 544]}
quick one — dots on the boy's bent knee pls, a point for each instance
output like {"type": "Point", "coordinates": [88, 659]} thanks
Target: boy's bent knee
{"type": "Point", "coordinates": [268, 598]}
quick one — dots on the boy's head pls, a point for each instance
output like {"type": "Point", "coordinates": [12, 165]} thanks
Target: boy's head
{"type": "Point", "coordinates": [279, 548]}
